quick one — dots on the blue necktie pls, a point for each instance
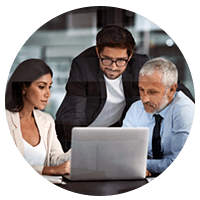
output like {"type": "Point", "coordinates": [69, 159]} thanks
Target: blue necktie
{"type": "Point", "coordinates": [156, 140]}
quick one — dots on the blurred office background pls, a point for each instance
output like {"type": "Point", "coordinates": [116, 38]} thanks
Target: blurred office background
{"type": "Point", "coordinates": [62, 38]}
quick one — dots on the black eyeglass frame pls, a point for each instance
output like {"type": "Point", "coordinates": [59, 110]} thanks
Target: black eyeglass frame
{"type": "Point", "coordinates": [112, 61]}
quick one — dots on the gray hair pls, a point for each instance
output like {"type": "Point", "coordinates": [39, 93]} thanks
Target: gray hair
{"type": "Point", "coordinates": [166, 69]}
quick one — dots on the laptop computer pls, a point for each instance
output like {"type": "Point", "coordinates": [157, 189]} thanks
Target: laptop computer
{"type": "Point", "coordinates": [108, 153]}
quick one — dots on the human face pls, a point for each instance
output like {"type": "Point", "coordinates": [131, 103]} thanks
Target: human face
{"type": "Point", "coordinates": [154, 94]}
{"type": "Point", "coordinates": [113, 72]}
{"type": "Point", "coordinates": [37, 94]}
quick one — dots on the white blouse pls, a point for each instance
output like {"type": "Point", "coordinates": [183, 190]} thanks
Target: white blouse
{"type": "Point", "coordinates": [35, 155]}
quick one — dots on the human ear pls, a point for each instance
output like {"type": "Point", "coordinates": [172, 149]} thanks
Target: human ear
{"type": "Point", "coordinates": [24, 89]}
{"type": "Point", "coordinates": [172, 90]}
{"type": "Point", "coordinates": [174, 87]}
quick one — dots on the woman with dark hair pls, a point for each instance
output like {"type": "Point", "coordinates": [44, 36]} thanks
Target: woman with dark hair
{"type": "Point", "coordinates": [33, 131]}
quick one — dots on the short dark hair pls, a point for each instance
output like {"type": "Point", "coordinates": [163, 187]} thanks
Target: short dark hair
{"type": "Point", "coordinates": [27, 72]}
{"type": "Point", "coordinates": [115, 36]}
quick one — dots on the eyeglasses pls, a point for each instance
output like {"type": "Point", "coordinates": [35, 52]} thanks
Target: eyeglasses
{"type": "Point", "coordinates": [108, 62]}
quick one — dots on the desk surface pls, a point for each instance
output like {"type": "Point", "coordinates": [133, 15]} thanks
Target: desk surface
{"type": "Point", "coordinates": [102, 188]}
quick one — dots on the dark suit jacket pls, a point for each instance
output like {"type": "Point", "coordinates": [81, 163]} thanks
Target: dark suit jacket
{"type": "Point", "coordinates": [86, 92]}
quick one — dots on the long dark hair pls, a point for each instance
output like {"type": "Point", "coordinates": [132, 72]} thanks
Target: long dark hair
{"type": "Point", "coordinates": [27, 72]}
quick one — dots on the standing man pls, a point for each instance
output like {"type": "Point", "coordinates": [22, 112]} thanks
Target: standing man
{"type": "Point", "coordinates": [168, 114]}
{"type": "Point", "coordinates": [103, 83]}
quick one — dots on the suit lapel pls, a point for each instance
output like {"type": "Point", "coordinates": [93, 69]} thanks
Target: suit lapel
{"type": "Point", "coordinates": [130, 84]}
{"type": "Point", "coordinates": [102, 88]}
{"type": "Point", "coordinates": [127, 83]}
{"type": "Point", "coordinates": [42, 126]}
{"type": "Point", "coordinates": [16, 130]}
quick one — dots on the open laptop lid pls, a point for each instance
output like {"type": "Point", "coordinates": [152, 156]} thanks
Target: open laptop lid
{"type": "Point", "coordinates": [108, 153]}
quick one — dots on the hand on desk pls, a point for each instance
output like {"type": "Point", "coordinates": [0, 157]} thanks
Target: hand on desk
{"type": "Point", "coordinates": [61, 169]}
{"type": "Point", "coordinates": [64, 168]}
{"type": "Point", "coordinates": [148, 173]}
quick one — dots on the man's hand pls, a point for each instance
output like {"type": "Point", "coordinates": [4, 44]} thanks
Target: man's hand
{"type": "Point", "coordinates": [148, 173]}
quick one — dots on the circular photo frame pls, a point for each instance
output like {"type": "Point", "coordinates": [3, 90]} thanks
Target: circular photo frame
{"type": "Point", "coordinates": [73, 45]}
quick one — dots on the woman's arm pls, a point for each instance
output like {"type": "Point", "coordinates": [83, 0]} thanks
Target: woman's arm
{"type": "Point", "coordinates": [57, 170]}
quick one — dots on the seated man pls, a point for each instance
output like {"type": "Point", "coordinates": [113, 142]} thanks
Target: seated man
{"type": "Point", "coordinates": [168, 114]}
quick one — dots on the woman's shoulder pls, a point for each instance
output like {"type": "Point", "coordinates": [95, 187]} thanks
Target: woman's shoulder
{"type": "Point", "coordinates": [11, 116]}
